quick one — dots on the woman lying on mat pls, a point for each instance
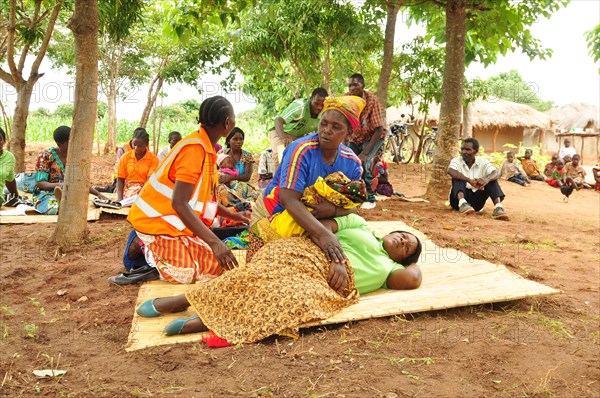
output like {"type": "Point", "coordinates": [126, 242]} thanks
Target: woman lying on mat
{"type": "Point", "coordinates": [177, 205]}
{"type": "Point", "coordinates": [263, 297]}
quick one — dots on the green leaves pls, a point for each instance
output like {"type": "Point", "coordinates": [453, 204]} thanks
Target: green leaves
{"type": "Point", "coordinates": [593, 41]}
{"type": "Point", "coordinates": [510, 86]}
{"type": "Point", "coordinates": [493, 27]}
{"type": "Point", "coordinates": [286, 49]}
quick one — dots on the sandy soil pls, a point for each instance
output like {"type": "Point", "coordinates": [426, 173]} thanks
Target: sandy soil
{"type": "Point", "coordinates": [61, 313]}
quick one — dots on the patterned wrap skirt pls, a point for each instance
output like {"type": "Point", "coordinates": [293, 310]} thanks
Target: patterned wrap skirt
{"type": "Point", "coordinates": [284, 286]}
{"type": "Point", "coordinates": [180, 259]}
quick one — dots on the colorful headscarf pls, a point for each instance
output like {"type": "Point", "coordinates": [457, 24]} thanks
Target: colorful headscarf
{"type": "Point", "coordinates": [350, 106]}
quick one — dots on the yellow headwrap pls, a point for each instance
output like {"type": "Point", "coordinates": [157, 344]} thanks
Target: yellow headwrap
{"type": "Point", "coordinates": [350, 106]}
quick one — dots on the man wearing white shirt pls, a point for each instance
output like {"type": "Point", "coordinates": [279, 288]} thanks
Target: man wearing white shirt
{"type": "Point", "coordinates": [474, 180]}
{"type": "Point", "coordinates": [174, 138]}
{"type": "Point", "coordinates": [567, 150]}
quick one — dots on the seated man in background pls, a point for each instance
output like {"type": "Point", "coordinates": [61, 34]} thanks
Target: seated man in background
{"type": "Point", "coordinates": [174, 138]}
{"type": "Point", "coordinates": [474, 180]}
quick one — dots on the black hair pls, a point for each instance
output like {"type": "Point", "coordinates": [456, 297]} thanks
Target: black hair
{"type": "Point", "coordinates": [510, 153]}
{"type": "Point", "coordinates": [173, 134]}
{"type": "Point", "coordinates": [232, 133]}
{"type": "Point", "coordinates": [578, 156]}
{"type": "Point", "coordinates": [359, 78]}
{"type": "Point", "coordinates": [413, 258]}
{"type": "Point", "coordinates": [141, 134]}
{"type": "Point", "coordinates": [320, 91]}
{"type": "Point", "coordinates": [474, 142]}
{"type": "Point", "coordinates": [528, 149]}
{"type": "Point", "coordinates": [214, 111]}
{"type": "Point", "coordinates": [2, 134]}
{"type": "Point", "coordinates": [61, 134]}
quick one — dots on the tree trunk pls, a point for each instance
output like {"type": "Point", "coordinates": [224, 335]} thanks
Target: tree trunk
{"type": "Point", "coordinates": [388, 54]}
{"type": "Point", "coordinates": [111, 144]}
{"type": "Point", "coordinates": [15, 78]}
{"type": "Point", "coordinates": [155, 87]}
{"type": "Point", "coordinates": [327, 66]}
{"type": "Point", "coordinates": [467, 122]}
{"type": "Point", "coordinates": [19, 128]}
{"type": "Point", "coordinates": [420, 142]}
{"type": "Point", "coordinates": [72, 220]}
{"type": "Point", "coordinates": [451, 106]}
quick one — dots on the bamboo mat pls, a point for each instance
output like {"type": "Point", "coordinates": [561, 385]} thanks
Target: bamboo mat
{"type": "Point", "coordinates": [93, 214]}
{"type": "Point", "coordinates": [450, 279]}
{"type": "Point", "coordinates": [124, 211]}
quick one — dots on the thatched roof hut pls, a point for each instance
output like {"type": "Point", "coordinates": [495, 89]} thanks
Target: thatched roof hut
{"type": "Point", "coordinates": [486, 114]}
{"type": "Point", "coordinates": [575, 116]}
{"type": "Point", "coordinates": [495, 122]}
{"type": "Point", "coordinates": [579, 122]}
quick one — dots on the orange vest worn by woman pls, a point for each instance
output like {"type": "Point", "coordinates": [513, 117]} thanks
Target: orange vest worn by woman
{"type": "Point", "coordinates": [153, 213]}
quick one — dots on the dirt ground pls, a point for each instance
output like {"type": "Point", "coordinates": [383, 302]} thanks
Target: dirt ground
{"type": "Point", "coordinates": [61, 313]}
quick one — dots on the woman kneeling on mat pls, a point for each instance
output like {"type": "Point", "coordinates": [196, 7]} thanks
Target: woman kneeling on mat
{"type": "Point", "coordinates": [177, 205]}
{"type": "Point", "coordinates": [266, 297]}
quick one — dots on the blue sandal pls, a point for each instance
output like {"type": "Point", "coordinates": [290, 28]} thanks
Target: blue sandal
{"type": "Point", "coordinates": [176, 326]}
{"type": "Point", "coordinates": [147, 309]}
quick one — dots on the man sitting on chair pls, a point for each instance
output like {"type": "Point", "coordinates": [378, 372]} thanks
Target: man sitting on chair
{"type": "Point", "coordinates": [474, 180]}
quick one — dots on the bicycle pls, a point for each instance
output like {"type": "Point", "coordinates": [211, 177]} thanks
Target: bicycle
{"type": "Point", "coordinates": [429, 145]}
{"type": "Point", "coordinates": [400, 143]}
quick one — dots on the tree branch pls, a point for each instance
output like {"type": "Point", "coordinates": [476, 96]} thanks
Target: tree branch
{"type": "Point", "coordinates": [10, 55]}
{"type": "Point", "coordinates": [7, 77]}
{"type": "Point", "coordinates": [48, 35]}
{"type": "Point", "coordinates": [32, 22]}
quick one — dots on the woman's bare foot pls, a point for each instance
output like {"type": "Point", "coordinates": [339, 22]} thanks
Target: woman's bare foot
{"type": "Point", "coordinates": [194, 326]}
{"type": "Point", "coordinates": [167, 305]}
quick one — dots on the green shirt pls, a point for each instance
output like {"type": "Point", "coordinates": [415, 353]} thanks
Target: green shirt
{"type": "Point", "coordinates": [7, 170]}
{"type": "Point", "coordinates": [368, 258]}
{"type": "Point", "coordinates": [298, 121]}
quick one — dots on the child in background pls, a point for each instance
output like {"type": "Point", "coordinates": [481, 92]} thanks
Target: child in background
{"type": "Point", "coordinates": [226, 165]}
{"type": "Point", "coordinates": [596, 172]}
{"type": "Point", "coordinates": [381, 183]}
{"type": "Point", "coordinates": [567, 160]}
{"type": "Point", "coordinates": [559, 176]}
{"type": "Point", "coordinates": [530, 167]}
{"type": "Point", "coordinates": [577, 173]}
{"type": "Point", "coordinates": [567, 150]}
{"type": "Point", "coordinates": [266, 168]}
{"type": "Point", "coordinates": [549, 168]}
{"type": "Point", "coordinates": [513, 172]}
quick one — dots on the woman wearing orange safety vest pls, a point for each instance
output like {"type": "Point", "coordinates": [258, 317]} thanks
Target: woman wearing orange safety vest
{"type": "Point", "coordinates": [177, 205]}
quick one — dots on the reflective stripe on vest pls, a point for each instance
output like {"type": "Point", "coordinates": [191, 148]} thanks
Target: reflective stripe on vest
{"type": "Point", "coordinates": [167, 192]}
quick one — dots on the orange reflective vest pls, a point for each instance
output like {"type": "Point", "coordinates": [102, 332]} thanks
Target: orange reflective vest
{"type": "Point", "coordinates": [153, 213]}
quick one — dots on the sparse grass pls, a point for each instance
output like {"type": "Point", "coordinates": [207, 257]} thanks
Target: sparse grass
{"type": "Point", "coordinates": [416, 361]}
{"type": "Point", "coordinates": [556, 327]}
{"type": "Point", "coordinates": [31, 330]}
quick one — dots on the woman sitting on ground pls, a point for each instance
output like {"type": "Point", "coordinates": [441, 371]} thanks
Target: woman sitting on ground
{"type": "Point", "coordinates": [7, 170]}
{"type": "Point", "coordinates": [50, 174]}
{"type": "Point", "coordinates": [263, 297]}
{"type": "Point", "coordinates": [135, 166]}
{"type": "Point", "coordinates": [238, 188]}
{"type": "Point", "coordinates": [304, 161]}
{"type": "Point", "coordinates": [243, 160]}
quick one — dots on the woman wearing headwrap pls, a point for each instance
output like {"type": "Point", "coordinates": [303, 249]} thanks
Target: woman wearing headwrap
{"type": "Point", "coordinates": [304, 161]}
